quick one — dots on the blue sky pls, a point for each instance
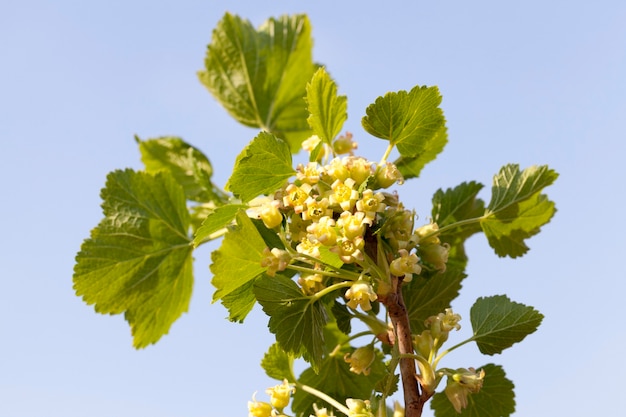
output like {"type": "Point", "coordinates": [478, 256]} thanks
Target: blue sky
{"type": "Point", "coordinates": [530, 82]}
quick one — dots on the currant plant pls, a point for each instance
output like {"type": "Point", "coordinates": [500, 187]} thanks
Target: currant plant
{"type": "Point", "coordinates": [322, 244]}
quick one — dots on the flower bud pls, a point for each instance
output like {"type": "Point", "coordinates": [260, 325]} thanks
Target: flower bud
{"type": "Point", "coordinates": [436, 255]}
{"type": "Point", "coordinates": [270, 214]}
{"type": "Point", "coordinates": [361, 359]}
{"type": "Point", "coordinates": [387, 175]}
{"type": "Point", "coordinates": [427, 234]}
{"type": "Point", "coordinates": [344, 144]}
{"type": "Point", "coordinates": [358, 408]}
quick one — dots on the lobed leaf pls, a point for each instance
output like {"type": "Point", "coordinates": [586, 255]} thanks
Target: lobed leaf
{"type": "Point", "coordinates": [238, 260]}
{"type": "Point", "coordinates": [517, 209]}
{"type": "Point", "coordinates": [278, 364]}
{"type": "Point", "coordinates": [495, 399]}
{"type": "Point", "coordinates": [138, 259]}
{"type": "Point", "coordinates": [296, 320]}
{"type": "Point", "coordinates": [328, 111]}
{"type": "Point", "coordinates": [261, 168]}
{"type": "Point", "coordinates": [260, 76]}
{"type": "Point", "coordinates": [411, 121]}
{"type": "Point", "coordinates": [498, 323]}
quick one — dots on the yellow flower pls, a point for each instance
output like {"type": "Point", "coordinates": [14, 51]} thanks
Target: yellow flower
{"type": "Point", "coordinates": [358, 408]}
{"type": "Point", "coordinates": [359, 168]}
{"type": "Point", "coordinates": [275, 260]}
{"type": "Point", "coordinates": [280, 395]}
{"type": "Point", "coordinates": [352, 225]}
{"type": "Point", "coordinates": [324, 231]}
{"type": "Point", "coordinates": [343, 194]}
{"type": "Point", "coordinates": [315, 209]}
{"type": "Point", "coordinates": [296, 196]}
{"type": "Point", "coordinates": [311, 284]}
{"type": "Point", "coordinates": [309, 173]}
{"type": "Point", "coordinates": [463, 383]}
{"type": "Point", "coordinates": [370, 204]}
{"type": "Point", "coordinates": [361, 359]}
{"type": "Point", "coordinates": [349, 250]}
{"type": "Point", "coordinates": [259, 408]}
{"type": "Point", "coordinates": [387, 175]}
{"type": "Point", "coordinates": [361, 294]}
{"type": "Point", "coordinates": [406, 265]}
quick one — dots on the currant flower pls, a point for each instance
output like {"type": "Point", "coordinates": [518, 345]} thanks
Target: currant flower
{"type": "Point", "coordinates": [270, 214]}
{"type": "Point", "coordinates": [324, 231]}
{"type": "Point", "coordinates": [361, 359]}
{"type": "Point", "coordinates": [461, 384]}
{"type": "Point", "coordinates": [352, 225]}
{"type": "Point", "coordinates": [344, 194]}
{"type": "Point", "coordinates": [321, 412]}
{"type": "Point", "coordinates": [358, 408]}
{"type": "Point", "coordinates": [309, 173]}
{"type": "Point", "coordinates": [316, 209]}
{"type": "Point", "coordinates": [344, 144]}
{"type": "Point", "coordinates": [275, 260]}
{"type": "Point", "coordinates": [296, 196]}
{"type": "Point", "coordinates": [398, 229]}
{"type": "Point", "coordinates": [309, 247]}
{"type": "Point", "coordinates": [259, 408]}
{"type": "Point", "coordinates": [359, 168]}
{"type": "Point", "coordinates": [371, 203]}
{"type": "Point", "coordinates": [361, 294]}
{"type": "Point", "coordinates": [441, 324]}
{"type": "Point", "coordinates": [406, 265]}
{"type": "Point", "coordinates": [387, 175]}
{"type": "Point", "coordinates": [436, 255]}
{"type": "Point", "coordinates": [336, 170]}
{"type": "Point", "coordinates": [280, 394]}
{"type": "Point", "coordinates": [311, 284]}
{"type": "Point", "coordinates": [398, 410]}
{"type": "Point", "coordinates": [349, 250]}
{"type": "Point", "coordinates": [427, 234]}
{"type": "Point", "coordinates": [311, 143]}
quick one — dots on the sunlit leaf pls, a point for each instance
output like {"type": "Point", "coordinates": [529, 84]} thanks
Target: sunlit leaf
{"type": "Point", "coordinates": [138, 259]}
{"type": "Point", "coordinates": [498, 323]}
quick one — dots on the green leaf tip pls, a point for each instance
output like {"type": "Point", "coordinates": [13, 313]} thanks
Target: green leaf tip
{"type": "Point", "coordinates": [260, 76]}
{"type": "Point", "coordinates": [189, 166]}
{"type": "Point", "coordinates": [517, 209]}
{"type": "Point", "coordinates": [327, 110]}
{"type": "Point", "coordinates": [498, 323]}
{"type": "Point", "coordinates": [261, 168]}
{"type": "Point", "coordinates": [138, 260]}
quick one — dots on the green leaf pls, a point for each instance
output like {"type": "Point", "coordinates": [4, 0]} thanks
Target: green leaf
{"type": "Point", "coordinates": [238, 260]}
{"type": "Point", "coordinates": [240, 302]}
{"type": "Point", "coordinates": [220, 218]}
{"type": "Point", "coordinates": [190, 167]}
{"type": "Point", "coordinates": [262, 167]}
{"type": "Point", "coordinates": [457, 205]}
{"type": "Point", "coordinates": [138, 259]}
{"type": "Point", "coordinates": [260, 76]}
{"type": "Point", "coordinates": [517, 208]}
{"type": "Point", "coordinates": [498, 323]}
{"type": "Point", "coordinates": [278, 364]}
{"type": "Point", "coordinates": [495, 399]}
{"type": "Point", "coordinates": [428, 297]}
{"type": "Point", "coordinates": [413, 122]}
{"type": "Point", "coordinates": [296, 320]}
{"type": "Point", "coordinates": [328, 111]}
{"type": "Point", "coordinates": [427, 151]}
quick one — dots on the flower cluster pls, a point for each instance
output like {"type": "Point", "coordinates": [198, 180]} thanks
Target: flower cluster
{"type": "Point", "coordinates": [334, 207]}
